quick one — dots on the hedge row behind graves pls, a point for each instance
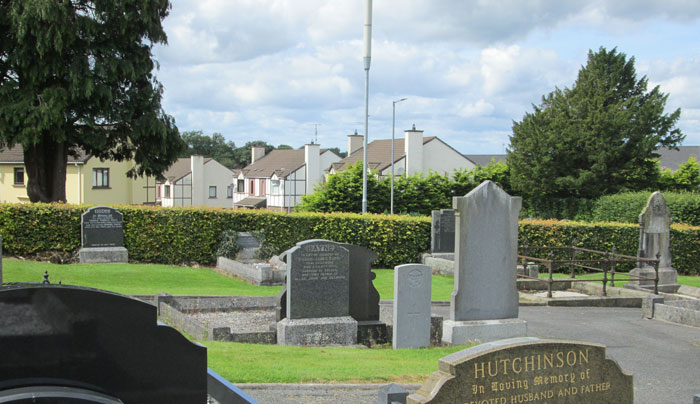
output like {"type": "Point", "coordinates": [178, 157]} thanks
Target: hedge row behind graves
{"type": "Point", "coordinates": [192, 235]}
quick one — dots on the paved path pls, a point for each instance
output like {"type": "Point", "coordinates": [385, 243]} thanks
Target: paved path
{"type": "Point", "coordinates": [663, 357]}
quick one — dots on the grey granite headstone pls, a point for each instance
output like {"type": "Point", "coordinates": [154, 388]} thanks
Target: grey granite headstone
{"type": "Point", "coordinates": [442, 233]}
{"type": "Point", "coordinates": [318, 280]}
{"type": "Point", "coordinates": [484, 303]}
{"type": "Point", "coordinates": [318, 296]}
{"type": "Point", "coordinates": [655, 240]}
{"type": "Point", "coordinates": [528, 370]}
{"type": "Point", "coordinates": [392, 394]}
{"type": "Point", "coordinates": [412, 287]}
{"type": "Point", "coordinates": [102, 236]}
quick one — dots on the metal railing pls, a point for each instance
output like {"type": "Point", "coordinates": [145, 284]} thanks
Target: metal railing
{"type": "Point", "coordinates": [606, 264]}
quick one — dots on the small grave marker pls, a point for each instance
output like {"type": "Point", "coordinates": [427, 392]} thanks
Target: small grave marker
{"type": "Point", "coordinates": [442, 238]}
{"type": "Point", "coordinates": [412, 286]}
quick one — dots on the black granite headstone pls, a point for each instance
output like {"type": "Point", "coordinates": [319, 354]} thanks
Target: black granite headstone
{"type": "Point", "coordinates": [102, 226]}
{"type": "Point", "coordinates": [81, 338]}
{"type": "Point", "coordinates": [364, 297]}
{"type": "Point", "coordinates": [443, 231]}
{"type": "Point", "coordinates": [317, 280]}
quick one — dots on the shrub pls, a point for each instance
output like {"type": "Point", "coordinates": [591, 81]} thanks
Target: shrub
{"type": "Point", "coordinates": [626, 207]}
{"type": "Point", "coordinates": [228, 246]}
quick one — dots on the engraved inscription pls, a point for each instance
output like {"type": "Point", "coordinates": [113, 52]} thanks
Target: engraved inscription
{"type": "Point", "coordinates": [319, 263]}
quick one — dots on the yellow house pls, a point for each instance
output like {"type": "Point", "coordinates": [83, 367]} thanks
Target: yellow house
{"type": "Point", "coordinates": [88, 181]}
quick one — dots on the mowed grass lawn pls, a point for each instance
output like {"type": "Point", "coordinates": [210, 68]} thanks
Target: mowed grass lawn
{"type": "Point", "coordinates": [250, 363]}
{"type": "Point", "coordinates": [135, 279]}
{"type": "Point", "coordinates": [621, 278]}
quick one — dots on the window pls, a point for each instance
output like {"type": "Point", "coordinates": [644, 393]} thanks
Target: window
{"type": "Point", "coordinates": [19, 175]}
{"type": "Point", "coordinates": [262, 188]}
{"type": "Point", "coordinates": [100, 177]}
{"type": "Point", "coordinates": [251, 188]}
{"type": "Point", "coordinates": [240, 186]}
{"type": "Point", "coordinates": [166, 191]}
{"type": "Point", "coordinates": [229, 191]}
{"type": "Point", "coordinates": [212, 191]}
{"type": "Point", "coordinates": [275, 187]}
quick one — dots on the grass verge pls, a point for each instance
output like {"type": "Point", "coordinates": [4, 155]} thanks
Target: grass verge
{"type": "Point", "coordinates": [250, 363]}
{"type": "Point", "coordinates": [135, 279]}
{"type": "Point", "coordinates": [442, 286]}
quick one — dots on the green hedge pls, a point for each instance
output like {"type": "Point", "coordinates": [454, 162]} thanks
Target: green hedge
{"type": "Point", "coordinates": [191, 235]}
{"type": "Point", "coordinates": [626, 207]}
{"type": "Point", "coordinates": [685, 240]}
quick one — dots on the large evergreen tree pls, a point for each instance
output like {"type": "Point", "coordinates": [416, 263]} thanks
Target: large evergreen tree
{"type": "Point", "coordinates": [597, 138]}
{"type": "Point", "coordinates": [77, 74]}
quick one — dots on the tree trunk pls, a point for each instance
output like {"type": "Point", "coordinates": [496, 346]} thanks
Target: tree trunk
{"type": "Point", "coordinates": [46, 170]}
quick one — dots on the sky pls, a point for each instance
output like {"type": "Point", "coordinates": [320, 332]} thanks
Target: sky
{"type": "Point", "coordinates": [291, 71]}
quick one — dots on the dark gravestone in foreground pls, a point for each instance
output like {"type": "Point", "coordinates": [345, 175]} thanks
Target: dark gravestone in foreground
{"type": "Point", "coordinates": [525, 370]}
{"type": "Point", "coordinates": [54, 336]}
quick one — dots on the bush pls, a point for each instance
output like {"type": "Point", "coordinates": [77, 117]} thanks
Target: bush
{"type": "Point", "coordinates": [192, 235]}
{"type": "Point", "coordinates": [626, 207]}
{"type": "Point", "coordinates": [228, 246]}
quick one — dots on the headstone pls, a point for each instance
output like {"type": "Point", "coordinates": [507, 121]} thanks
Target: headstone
{"type": "Point", "coordinates": [102, 235]}
{"type": "Point", "coordinates": [392, 394]}
{"type": "Point", "coordinates": [412, 287]}
{"type": "Point", "coordinates": [442, 238]}
{"type": "Point", "coordinates": [81, 338]}
{"type": "Point", "coordinates": [527, 370]}
{"type": "Point", "coordinates": [364, 297]}
{"type": "Point", "coordinates": [318, 288]}
{"type": "Point", "coordinates": [655, 240]}
{"type": "Point", "coordinates": [484, 303]}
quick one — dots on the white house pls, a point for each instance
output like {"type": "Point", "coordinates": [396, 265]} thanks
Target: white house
{"type": "Point", "coordinates": [412, 155]}
{"type": "Point", "coordinates": [278, 180]}
{"type": "Point", "coordinates": [196, 181]}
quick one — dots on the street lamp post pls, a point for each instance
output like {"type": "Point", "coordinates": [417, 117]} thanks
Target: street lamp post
{"type": "Point", "coordinates": [366, 60]}
{"type": "Point", "coordinates": [393, 126]}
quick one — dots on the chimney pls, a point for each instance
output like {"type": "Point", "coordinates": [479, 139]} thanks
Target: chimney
{"type": "Point", "coordinates": [256, 153]}
{"type": "Point", "coordinates": [413, 147]}
{"type": "Point", "coordinates": [355, 142]}
{"type": "Point", "coordinates": [312, 158]}
{"type": "Point", "coordinates": [197, 172]}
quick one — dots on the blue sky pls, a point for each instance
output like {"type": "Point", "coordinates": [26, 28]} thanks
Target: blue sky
{"type": "Point", "coordinates": [271, 69]}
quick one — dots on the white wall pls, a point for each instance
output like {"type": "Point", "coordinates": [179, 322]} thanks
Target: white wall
{"type": "Point", "coordinates": [443, 159]}
{"type": "Point", "coordinates": [216, 174]}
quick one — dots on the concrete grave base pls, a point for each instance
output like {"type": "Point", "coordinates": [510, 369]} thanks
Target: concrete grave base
{"type": "Point", "coordinates": [317, 331]}
{"type": "Point", "coordinates": [668, 279]}
{"type": "Point", "coordinates": [465, 332]}
{"type": "Point", "coordinates": [372, 333]}
{"type": "Point", "coordinates": [103, 255]}
{"type": "Point", "coordinates": [258, 273]}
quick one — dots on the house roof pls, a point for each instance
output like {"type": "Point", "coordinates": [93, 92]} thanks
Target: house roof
{"type": "Point", "coordinates": [485, 159]}
{"type": "Point", "coordinates": [280, 162]}
{"type": "Point", "coordinates": [180, 168]}
{"type": "Point", "coordinates": [15, 155]}
{"type": "Point", "coordinates": [378, 154]}
{"type": "Point", "coordinates": [252, 202]}
{"type": "Point", "coordinates": [672, 159]}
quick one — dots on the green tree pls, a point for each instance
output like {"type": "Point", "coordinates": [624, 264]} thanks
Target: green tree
{"type": "Point", "coordinates": [686, 178]}
{"type": "Point", "coordinates": [594, 139]}
{"type": "Point", "coordinates": [242, 156]}
{"type": "Point", "coordinates": [343, 193]}
{"type": "Point", "coordinates": [77, 74]}
{"type": "Point", "coordinates": [214, 146]}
